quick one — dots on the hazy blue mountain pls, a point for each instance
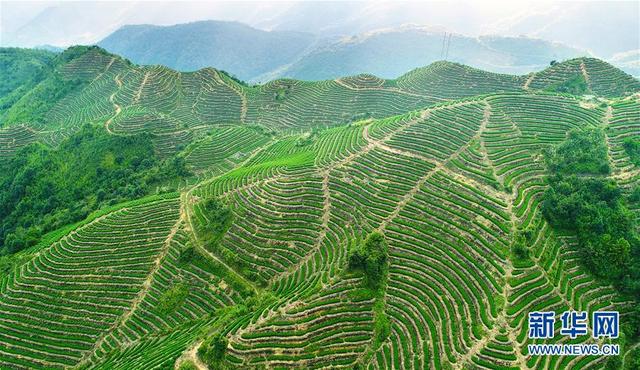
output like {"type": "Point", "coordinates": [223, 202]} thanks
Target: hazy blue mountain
{"type": "Point", "coordinates": [391, 53]}
{"type": "Point", "coordinates": [258, 56]}
{"type": "Point", "coordinates": [51, 48]}
{"type": "Point", "coordinates": [65, 23]}
{"type": "Point", "coordinates": [231, 46]}
{"type": "Point", "coordinates": [604, 28]}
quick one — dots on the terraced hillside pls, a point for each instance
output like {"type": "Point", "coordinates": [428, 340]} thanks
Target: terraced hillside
{"type": "Point", "coordinates": [247, 263]}
{"type": "Point", "coordinates": [176, 107]}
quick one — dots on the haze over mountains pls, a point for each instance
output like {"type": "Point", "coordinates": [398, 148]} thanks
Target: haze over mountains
{"type": "Point", "coordinates": [258, 56]}
{"type": "Point", "coordinates": [603, 29]}
{"type": "Point", "coordinates": [242, 50]}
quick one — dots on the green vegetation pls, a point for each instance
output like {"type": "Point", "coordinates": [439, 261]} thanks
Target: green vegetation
{"type": "Point", "coordinates": [171, 300]}
{"type": "Point", "coordinates": [635, 195]}
{"type": "Point", "coordinates": [456, 226]}
{"type": "Point", "coordinates": [371, 257]}
{"type": "Point", "coordinates": [595, 209]}
{"type": "Point", "coordinates": [187, 256]}
{"type": "Point", "coordinates": [632, 147]}
{"type": "Point", "coordinates": [632, 360]}
{"type": "Point", "coordinates": [234, 78]}
{"type": "Point", "coordinates": [214, 219]}
{"type": "Point", "coordinates": [35, 105]}
{"type": "Point", "coordinates": [213, 350]}
{"type": "Point", "coordinates": [42, 189]}
{"type": "Point", "coordinates": [575, 85]}
{"type": "Point", "coordinates": [520, 244]}
{"type": "Point", "coordinates": [20, 66]}
{"type": "Point", "coordinates": [187, 365]}
{"type": "Point", "coordinates": [583, 153]}
{"type": "Point", "coordinates": [568, 77]}
{"type": "Point", "coordinates": [382, 325]}
{"type": "Point", "coordinates": [21, 70]}
{"type": "Point", "coordinates": [32, 86]}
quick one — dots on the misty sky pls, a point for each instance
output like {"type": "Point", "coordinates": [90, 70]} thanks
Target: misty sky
{"type": "Point", "coordinates": [604, 28]}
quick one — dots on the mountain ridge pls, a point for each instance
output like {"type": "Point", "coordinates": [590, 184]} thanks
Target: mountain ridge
{"type": "Point", "coordinates": [232, 46]}
{"type": "Point", "coordinates": [424, 85]}
{"type": "Point", "coordinates": [386, 52]}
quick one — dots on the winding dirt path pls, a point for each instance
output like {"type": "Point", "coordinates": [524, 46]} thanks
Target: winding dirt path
{"type": "Point", "coordinates": [185, 200]}
{"type": "Point", "coordinates": [142, 293]}
{"type": "Point", "coordinates": [585, 74]}
{"type": "Point", "coordinates": [116, 107]}
{"type": "Point", "coordinates": [439, 166]}
{"type": "Point", "coordinates": [139, 92]}
{"type": "Point", "coordinates": [191, 355]}
{"type": "Point", "coordinates": [528, 81]}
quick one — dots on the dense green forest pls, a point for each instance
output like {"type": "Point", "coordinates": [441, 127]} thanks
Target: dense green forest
{"type": "Point", "coordinates": [41, 99]}
{"type": "Point", "coordinates": [32, 85]}
{"type": "Point", "coordinates": [575, 85]}
{"type": "Point", "coordinates": [43, 188]}
{"type": "Point", "coordinates": [20, 66]}
{"type": "Point", "coordinates": [583, 200]}
{"type": "Point", "coordinates": [371, 257]}
{"type": "Point", "coordinates": [22, 69]}
{"type": "Point", "coordinates": [632, 147]}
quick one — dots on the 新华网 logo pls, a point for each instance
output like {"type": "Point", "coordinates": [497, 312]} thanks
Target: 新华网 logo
{"type": "Point", "coordinates": [573, 324]}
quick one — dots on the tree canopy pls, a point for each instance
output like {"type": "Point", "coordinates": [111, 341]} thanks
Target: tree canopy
{"type": "Point", "coordinates": [43, 188]}
{"type": "Point", "coordinates": [371, 257]}
{"type": "Point", "coordinates": [595, 209]}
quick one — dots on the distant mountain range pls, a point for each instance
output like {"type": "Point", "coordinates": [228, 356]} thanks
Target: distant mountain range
{"type": "Point", "coordinates": [604, 28]}
{"type": "Point", "coordinates": [256, 56]}
{"type": "Point", "coordinates": [231, 46]}
{"type": "Point", "coordinates": [390, 53]}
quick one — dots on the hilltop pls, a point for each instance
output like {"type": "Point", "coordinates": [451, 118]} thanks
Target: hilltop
{"type": "Point", "coordinates": [86, 84]}
{"type": "Point", "coordinates": [158, 218]}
